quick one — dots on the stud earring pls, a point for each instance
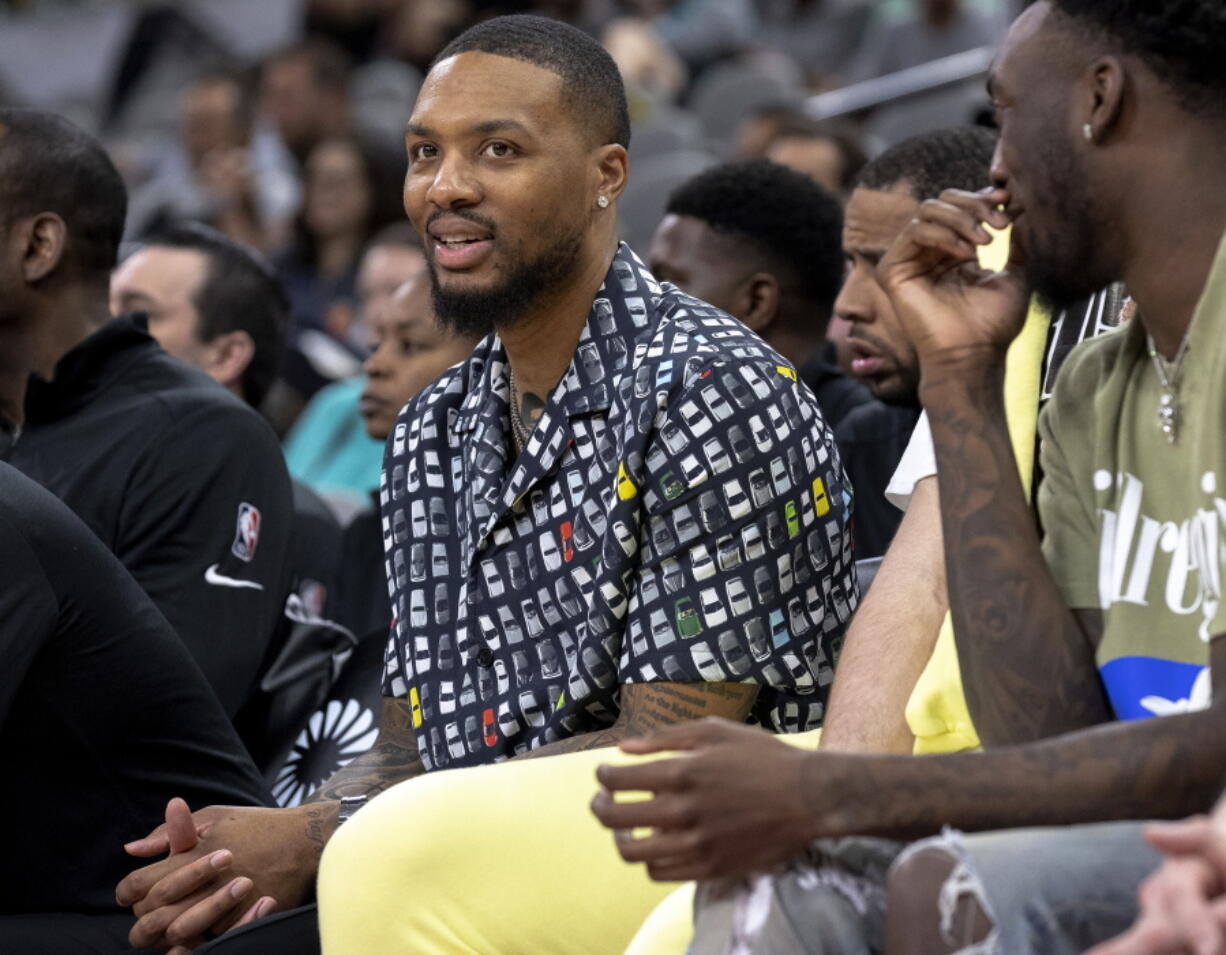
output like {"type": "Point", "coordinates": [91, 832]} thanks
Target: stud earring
{"type": "Point", "coordinates": [1088, 131]}
{"type": "Point", "coordinates": [602, 201]}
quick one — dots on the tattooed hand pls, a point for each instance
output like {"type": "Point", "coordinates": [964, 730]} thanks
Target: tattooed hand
{"type": "Point", "coordinates": [948, 305]}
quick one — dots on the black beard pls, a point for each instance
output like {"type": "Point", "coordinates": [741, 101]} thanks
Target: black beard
{"type": "Point", "coordinates": [903, 395]}
{"type": "Point", "coordinates": [1064, 265]}
{"type": "Point", "coordinates": [476, 313]}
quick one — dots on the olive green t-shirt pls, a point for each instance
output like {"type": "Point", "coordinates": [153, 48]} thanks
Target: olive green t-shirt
{"type": "Point", "coordinates": [1133, 524]}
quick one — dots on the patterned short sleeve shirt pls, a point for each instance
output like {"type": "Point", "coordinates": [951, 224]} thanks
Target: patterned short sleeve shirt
{"type": "Point", "coordinates": [679, 515]}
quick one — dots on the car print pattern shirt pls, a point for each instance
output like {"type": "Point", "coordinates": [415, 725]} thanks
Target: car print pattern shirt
{"type": "Point", "coordinates": [679, 515]}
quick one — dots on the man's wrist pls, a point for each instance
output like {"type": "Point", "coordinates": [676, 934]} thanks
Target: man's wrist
{"type": "Point", "coordinates": [961, 374]}
{"type": "Point", "coordinates": [319, 822]}
{"type": "Point", "coordinates": [854, 794]}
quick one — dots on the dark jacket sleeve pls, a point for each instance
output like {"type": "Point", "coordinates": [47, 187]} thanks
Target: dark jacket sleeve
{"type": "Point", "coordinates": [27, 610]}
{"type": "Point", "coordinates": [205, 530]}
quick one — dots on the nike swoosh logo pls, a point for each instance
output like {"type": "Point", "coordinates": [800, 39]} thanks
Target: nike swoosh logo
{"type": "Point", "coordinates": [211, 576]}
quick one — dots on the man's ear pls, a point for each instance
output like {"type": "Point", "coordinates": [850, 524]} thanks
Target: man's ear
{"type": "Point", "coordinates": [758, 301]}
{"type": "Point", "coordinates": [41, 239]}
{"type": "Point", "coordinates": [612, 168]}
{"type": "Point", "coordinates": [229, 355]}
{"type": "Point", "coordinates": [1102, 97]}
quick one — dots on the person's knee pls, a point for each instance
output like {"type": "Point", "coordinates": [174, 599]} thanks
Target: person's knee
{"type": "Point", "coordinates": [934, 905]}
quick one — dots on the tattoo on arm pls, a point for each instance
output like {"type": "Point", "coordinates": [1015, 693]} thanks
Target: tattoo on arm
{"type": "Point", "coordinates": [320, 825]}
{"type": "Point", "coordinates": [1027, 666]}
{"type": "Point", "coordinates": [648, 706]}
{"type": "Point", "coordinates": [393, 759]}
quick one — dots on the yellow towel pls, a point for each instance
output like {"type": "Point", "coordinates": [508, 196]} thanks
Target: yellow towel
{"type": "Point", "coordinates": [937, 711]}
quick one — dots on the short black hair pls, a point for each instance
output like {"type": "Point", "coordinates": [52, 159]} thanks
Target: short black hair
{"type": "Point", "coordinates": [240, 292]}
{"type": "Point", "coordinates": [49, 165]}
{"type": "Point", "coordinates": [1182, 41]}
{"type": "Point", "coordinates": [592, 84]}
{"type": "Point", "coordinates": [787, 218]}
{"type": "Point", "coordinates": [956, 158]}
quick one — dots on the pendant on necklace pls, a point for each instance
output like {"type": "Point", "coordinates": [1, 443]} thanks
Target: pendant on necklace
{"type": "Point", "coordinates": [1168, 416]}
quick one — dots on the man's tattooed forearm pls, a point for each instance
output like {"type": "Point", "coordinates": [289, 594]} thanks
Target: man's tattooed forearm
{"type": "Point", "coordinates": [1027, 667]}
{"type": "Point", "coordinates": [378, 769]}
{"type": "Point", "coordinates": [649, 706]}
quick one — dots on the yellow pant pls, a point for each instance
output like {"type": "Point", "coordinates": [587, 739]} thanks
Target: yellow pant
{"type": "Point", "coordinates": [504, 860]}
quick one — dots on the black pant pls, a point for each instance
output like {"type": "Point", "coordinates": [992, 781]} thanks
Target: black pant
{"type": "Point", "coordinates": [295, 932]}
{"type": "Point", "coordinates": [59, 933]}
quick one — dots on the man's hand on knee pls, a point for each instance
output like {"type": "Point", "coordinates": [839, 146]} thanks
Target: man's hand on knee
{"type": "Point", "coordinates": [734, 802]}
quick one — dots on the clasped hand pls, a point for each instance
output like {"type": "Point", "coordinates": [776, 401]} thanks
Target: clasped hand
{"type": "Point", "coordinates": [226, 866]}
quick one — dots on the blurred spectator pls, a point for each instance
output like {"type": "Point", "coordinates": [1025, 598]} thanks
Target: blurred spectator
{"type": "Point", "coordinates": [758, 130]}
{"type": "Point", "coordinates": [210, 303]}
{"type": "Point", "coordinates": [935, 29]}
{"type": "Point", "coordinates": [419, 30]}
{"type": "Point", "coordinates": [829, 154]}
{"type": "Point", "coordinates": [304, 95]}
{"type": "Point", "coordinates": [410, 351]}
{"type": "Point", "coordinates": [646, 62]}
{"type": "Point", "coordinates": [353, 25]}
{"type": "Point", "coordinates": [822, 36]}
{"type": "Point", "coordinates": [329, 447]}
{"type": "Point", "coordinates": [215, 173]}
{"type": "Point", "coordinates": [351, 189]}
{"type": "Point", "coordinates": [115, 427]}
{"type": "Point", "coordinates": [700, 31]}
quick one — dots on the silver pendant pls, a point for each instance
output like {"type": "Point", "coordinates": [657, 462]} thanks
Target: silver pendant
{"type": "Point", "coordinates": [1168, 416]}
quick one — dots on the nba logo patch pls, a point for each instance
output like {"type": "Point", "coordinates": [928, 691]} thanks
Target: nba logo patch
{"type": "Point", "coordinates": [247, 532]}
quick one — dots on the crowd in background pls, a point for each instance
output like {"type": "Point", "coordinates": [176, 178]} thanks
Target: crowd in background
{"type": "Point", "coordinates": [291, 142]}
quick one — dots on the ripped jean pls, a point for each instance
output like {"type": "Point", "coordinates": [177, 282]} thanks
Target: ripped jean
{"type": "Point", "coordinates": [1046, 891]}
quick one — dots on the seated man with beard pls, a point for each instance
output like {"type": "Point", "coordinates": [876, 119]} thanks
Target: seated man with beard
{"type": "Point", "coordinates": [621, 512]}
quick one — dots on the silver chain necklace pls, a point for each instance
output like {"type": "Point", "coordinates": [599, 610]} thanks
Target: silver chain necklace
{"type": "Point", "coordinates": [519, 433]}
{"type": "Point", "coordinates": [1169, 410]}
